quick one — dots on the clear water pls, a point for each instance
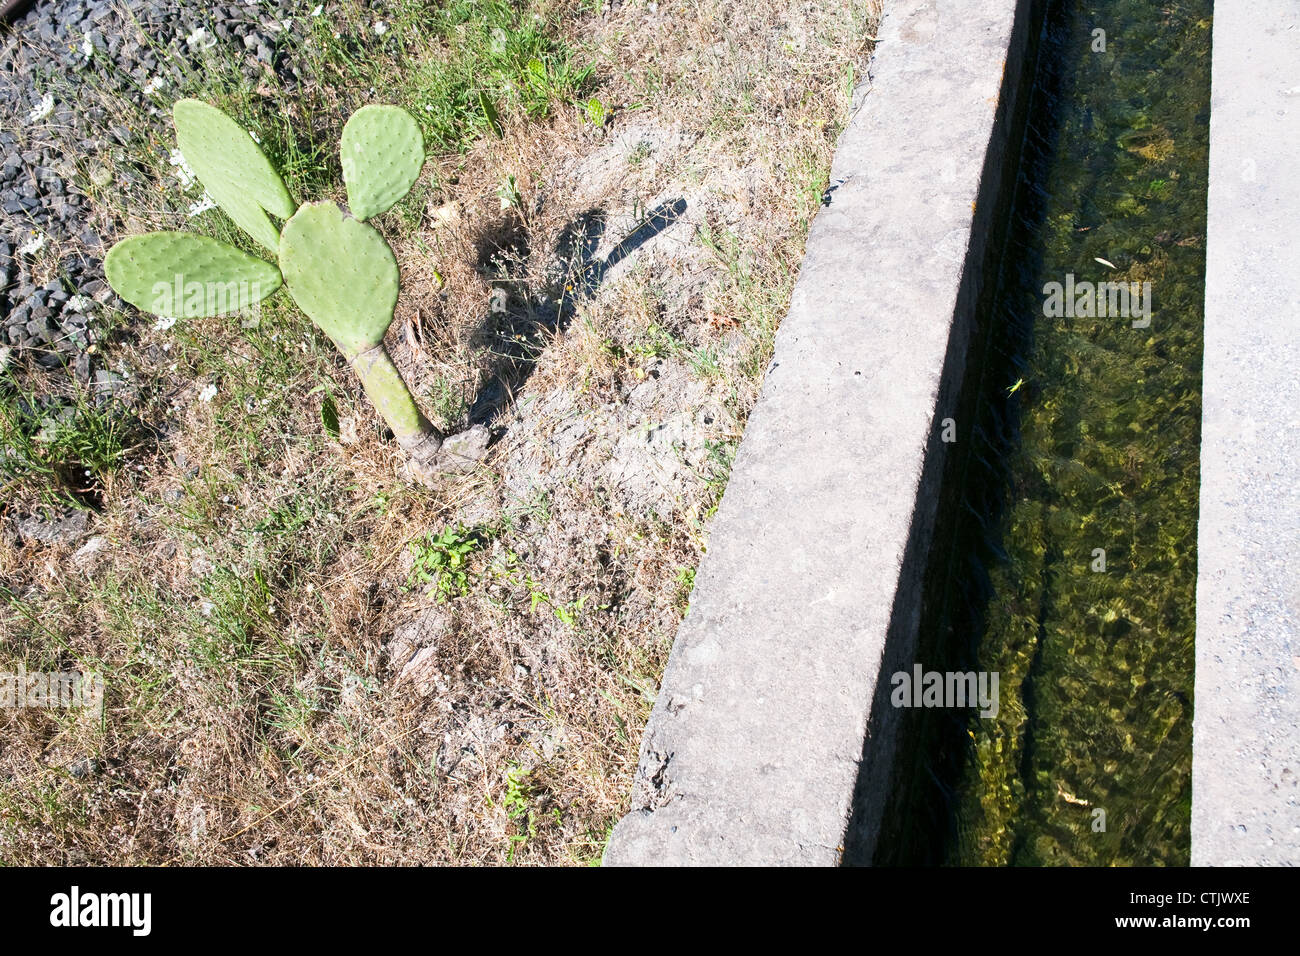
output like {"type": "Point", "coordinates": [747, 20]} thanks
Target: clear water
{"type": "Point", "coordinates": [1087, 437]}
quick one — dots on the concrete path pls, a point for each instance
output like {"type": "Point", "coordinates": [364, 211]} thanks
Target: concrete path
{"type": "Point", "coordinates": [755, 749]}
{"type": "Point", "coordinates": [1246, 750]}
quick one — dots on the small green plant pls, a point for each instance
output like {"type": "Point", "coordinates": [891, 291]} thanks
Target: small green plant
{"type": "Point", "coordinates": [508, 193]}
{"type": "Point", "coordinates": [655, 342]}
{"type": "Point", "coordinates": [685, 584]}
{"type": "Point", "coordinates": [338, 269]}
{"type": "Point", "coordinates": [597, 112]}
{"type": "Point", "coordinates": [516, 805]}
{"type": "Point", "coordinates": [442, 561]}
{"type": "Point", "coordinates": [566, 614]}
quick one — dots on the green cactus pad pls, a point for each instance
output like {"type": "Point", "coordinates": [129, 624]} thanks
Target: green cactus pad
{"type": "Point", "coordinates": [341, 273]}
{"type": "Point", "coordinates": [185, 276]}
{"type": "Point", "coordinates": [233, 169]}
{"type": "Point", "coordinates": [382, 151]}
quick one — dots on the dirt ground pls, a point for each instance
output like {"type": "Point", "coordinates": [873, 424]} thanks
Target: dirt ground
{"type": "Point", "coordinates": [309, 660]}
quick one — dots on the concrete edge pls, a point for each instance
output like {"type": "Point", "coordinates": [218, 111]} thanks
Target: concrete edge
{"type": "Point", "coordinates": [762, 747]}
{"type": "Point", "coordinates": [1246, 730]}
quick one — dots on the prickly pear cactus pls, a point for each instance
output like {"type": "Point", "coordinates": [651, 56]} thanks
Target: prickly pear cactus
{"type": "Point", "coordinates": [382, 151]}
{"type": "Point", "coordinates": [340, 271]}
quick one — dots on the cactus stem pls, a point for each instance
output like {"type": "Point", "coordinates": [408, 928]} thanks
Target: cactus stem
{"type": "Point", "coordinates": [383, 383]}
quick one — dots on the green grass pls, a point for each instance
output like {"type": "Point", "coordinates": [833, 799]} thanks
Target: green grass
{"type": "Point", "coordinates": [705, 361]}
{"type": "Point", "coordinates": [62, 451]}
{"type": "Point", "coordinates": [492, 61]}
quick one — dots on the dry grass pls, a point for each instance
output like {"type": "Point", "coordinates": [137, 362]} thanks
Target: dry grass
{"type": "Point", "coordinates": [277, 690]}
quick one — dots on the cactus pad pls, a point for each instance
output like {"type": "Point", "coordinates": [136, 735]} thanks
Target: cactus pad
{"type": "Point", "coordinates": [235, 172]}
{"type": "Point", "coordinates": [341, 273]}
{"type": "Point", "coordinates": [382, 151]}
{"type": "Point", "coordinates": [186, 276]}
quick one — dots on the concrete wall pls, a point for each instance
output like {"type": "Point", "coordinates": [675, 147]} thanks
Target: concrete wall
{"type": "Point", "coordinates": [763, 747]}
{"type": "Point", "coordinates": [1246, 750]}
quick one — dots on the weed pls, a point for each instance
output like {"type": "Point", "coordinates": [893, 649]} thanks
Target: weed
{"type": "Point", "coordinates": [490, 61]}
{"type": "Point", "coordinates": [704, 361]}
{"type": "Point", "coordinates": [685, 584]}
{"type": "Point", "coordinates": [442, 560]}
{"type": "Point", "coordinates": [509, 195]}
{"type": "Point", "coordinates": [447, 402]}
{"type": "Point", "coordinates": [566, 613]}
{"type": "Point", "coordinates": [720, 458]}
{"type": "Point", "coordinates": [655, 342]}
{"type": "Point", "coordinates": [517, 806]}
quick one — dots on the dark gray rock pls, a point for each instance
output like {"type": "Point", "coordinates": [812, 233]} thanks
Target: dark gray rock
{"type": "Point", "coordinates": [55, 530]}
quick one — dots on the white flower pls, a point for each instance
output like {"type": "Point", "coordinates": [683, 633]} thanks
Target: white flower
{"type": "Point", "coordinates": [87, 47]}
{"type": "Point", "coordinates": [204, 203]}
{"type": "Point", "coordinates": [154, 85]}
{"type": "Point", "coordinates": [183, 171]}
{"type": "Point", "coordinates": [33, 245]}
{"type": "Point", "coordinates": [43, 109]}
{"type": "Point", "coordinates": [164, 323]}
{"type": "Point", "coordinates": [380, 28]}
{"type": "Point", "coordinates": [208, 393]}
{"type": "Point", "coordinates": [200, 39]}
{"type": "Point", "coordinates": [319, 8]}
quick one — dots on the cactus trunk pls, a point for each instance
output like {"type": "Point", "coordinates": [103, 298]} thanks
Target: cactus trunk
{"type": "Point", "coordinates": [392, 399]}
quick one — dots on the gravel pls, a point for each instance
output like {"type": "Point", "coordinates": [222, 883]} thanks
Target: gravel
{"type": "Point", "coordinates": [55, 64]}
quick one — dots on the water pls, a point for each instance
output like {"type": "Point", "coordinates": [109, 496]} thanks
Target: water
{"type": "Point", "coordinates": [1086, 439]}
